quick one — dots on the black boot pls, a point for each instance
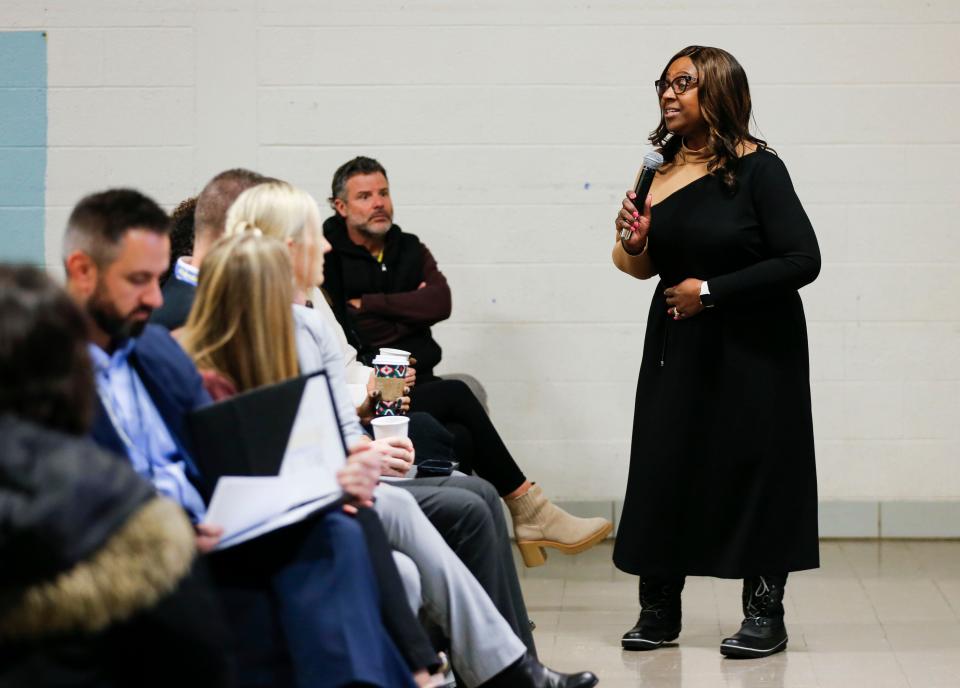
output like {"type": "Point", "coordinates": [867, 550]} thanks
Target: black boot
{"type": "Point", "coordinates": [660, 615]}
{"type": "Point", "coordinates": [527, 672]}
{"type": "Point", "coordinates": [762, 632]}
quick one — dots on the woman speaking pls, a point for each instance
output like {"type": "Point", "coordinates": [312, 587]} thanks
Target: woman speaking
{"type": "Point", "coordinates": [722, 476]}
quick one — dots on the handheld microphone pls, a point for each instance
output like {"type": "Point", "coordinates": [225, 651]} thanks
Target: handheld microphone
{"type": "Point", "coordinates": [651, 163]}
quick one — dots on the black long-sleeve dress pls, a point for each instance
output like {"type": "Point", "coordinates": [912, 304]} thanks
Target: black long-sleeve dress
{"type": "Point", "coordinates": [722, 476]}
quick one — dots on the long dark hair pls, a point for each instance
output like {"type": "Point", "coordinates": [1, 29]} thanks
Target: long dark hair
{"type": "Point", "coordinates": [724, 96]}
{"type": "Point", "coordinates": [45, 370]}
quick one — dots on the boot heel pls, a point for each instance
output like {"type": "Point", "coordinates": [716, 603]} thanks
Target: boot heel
{"type": "Point", "coordinates": [533, 555]}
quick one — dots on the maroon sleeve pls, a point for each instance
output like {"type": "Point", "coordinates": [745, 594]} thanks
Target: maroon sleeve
{"type": "Point", "coordinates": [218, 386]}
{"type": "Point", "coordinates": [424, 306]}
{"type": "Point", "coordinates": [378, 330]}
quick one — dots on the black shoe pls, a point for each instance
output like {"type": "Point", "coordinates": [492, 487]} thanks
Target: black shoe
{"type": "Point", "coordinates": [660, 615]}
{"type": "Point", "coordinates": [641, 638]}
{"type": "Point", "coordinates": [527, 672]}
{"type": "Point", "coordinates": [762, 632]}
{"type": "Point", "coordinates": [760, 636]}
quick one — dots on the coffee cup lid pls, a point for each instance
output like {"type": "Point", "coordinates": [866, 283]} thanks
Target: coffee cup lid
{"type": "Point", "coordinates": [396, 353]}
{"type": "Point", "coordinates": [384, 351]}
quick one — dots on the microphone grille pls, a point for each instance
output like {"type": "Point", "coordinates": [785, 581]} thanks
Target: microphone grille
{"type": "Point", "coordinates": [652, 160]}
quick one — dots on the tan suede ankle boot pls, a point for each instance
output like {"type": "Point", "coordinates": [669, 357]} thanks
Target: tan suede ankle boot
{"type": "Point", "coordinates": [538, 524]}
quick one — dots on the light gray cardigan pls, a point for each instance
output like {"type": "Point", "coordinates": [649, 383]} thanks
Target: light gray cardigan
{"type": "Point", "coordinates": [318, 349]}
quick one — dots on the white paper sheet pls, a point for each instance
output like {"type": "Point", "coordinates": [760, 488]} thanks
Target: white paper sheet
{"type": "Point", "coordinates": [249, 506]}
{"type": "Point", "coordinates": [315, 440]}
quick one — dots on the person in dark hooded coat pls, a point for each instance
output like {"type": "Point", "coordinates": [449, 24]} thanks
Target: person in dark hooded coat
{"type": "Point", "coordinates": [97, 572]}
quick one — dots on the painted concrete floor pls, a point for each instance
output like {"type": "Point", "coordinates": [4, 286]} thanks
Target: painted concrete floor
{"type": "Point", "coordinates": [876, 615]}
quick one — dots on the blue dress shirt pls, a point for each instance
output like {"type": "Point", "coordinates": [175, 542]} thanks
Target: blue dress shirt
{"type": "Point", "coordinates": [150, 446]}
{"type": "Point", "coordinates": [185, 272]}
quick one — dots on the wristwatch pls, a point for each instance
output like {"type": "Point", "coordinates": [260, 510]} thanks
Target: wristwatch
{"type": "Point", "coordinates": [706, 298]}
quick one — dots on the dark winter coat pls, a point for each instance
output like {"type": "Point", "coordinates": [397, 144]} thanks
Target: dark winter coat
{"type": "Point", "coordinates": [96, 572]}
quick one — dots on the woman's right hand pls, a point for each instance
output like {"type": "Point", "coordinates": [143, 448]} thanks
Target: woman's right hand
{"type": "Point", "coordinates": [638, 223]}
{"type": "Point", "coordinates": [398, 454]}
{"type": "Point", "coordinates": [360, 476]}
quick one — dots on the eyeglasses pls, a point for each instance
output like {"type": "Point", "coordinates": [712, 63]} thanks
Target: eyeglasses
{"type": "Point", "coordinates": [679, 84]}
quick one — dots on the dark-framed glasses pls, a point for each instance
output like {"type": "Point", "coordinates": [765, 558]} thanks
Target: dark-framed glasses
{"type": "Point", "coordinates": [680, 84]}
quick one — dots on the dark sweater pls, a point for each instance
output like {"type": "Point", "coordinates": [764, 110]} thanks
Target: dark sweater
{"type": "Point", "coordinates": [395, 310]}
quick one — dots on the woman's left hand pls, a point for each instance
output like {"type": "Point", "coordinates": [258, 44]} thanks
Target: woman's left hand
{"type": "Point", "coordinates": [684, 299]}
{"type": "Point", "coordinates": [360, 475]}
{"type": "Point", "coordinates": [367, 410]}
{"type": "Point", "coordinates": [411, 377]}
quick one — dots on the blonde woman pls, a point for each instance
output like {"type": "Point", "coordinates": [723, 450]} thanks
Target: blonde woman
{"type": "Point", "coordinates": [283, 211]}
{"type": "Point", "coordinates": [240, 335]}
{"type": "Point", "coordinates": [241, 339]}
{"type": "Point", "coordinates": [245, 290]}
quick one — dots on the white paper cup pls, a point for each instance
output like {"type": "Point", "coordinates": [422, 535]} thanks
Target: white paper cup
{"type": "Point", "coordinates": [390, 426]}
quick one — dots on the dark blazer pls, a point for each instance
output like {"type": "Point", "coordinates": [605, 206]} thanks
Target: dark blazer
{"type": "Point", "coordinates": [177, 301]}
{"type": "Point", "coordinates": [174, 386]}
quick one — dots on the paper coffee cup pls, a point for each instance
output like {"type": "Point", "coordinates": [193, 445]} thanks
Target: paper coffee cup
{"type": "Point", "coordinates": [390, 374]}
{"type": "Point", "coordinates": [390, 426]}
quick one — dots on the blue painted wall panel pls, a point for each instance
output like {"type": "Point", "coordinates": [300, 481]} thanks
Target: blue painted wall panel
{"type": "Point", "coordinates": [18, 176]}
{"type": "Point", "coordinates": [21, 235]}
{"type": "Point", "coordinates": [23, 59]}
{"type": "Point", "coordinates": [23, 116]}
{"type": "Point", "coordinates": [23, 145]}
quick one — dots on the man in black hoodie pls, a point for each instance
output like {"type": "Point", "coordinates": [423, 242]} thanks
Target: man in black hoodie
{"type": "Point", "coordinates": [384, 285]}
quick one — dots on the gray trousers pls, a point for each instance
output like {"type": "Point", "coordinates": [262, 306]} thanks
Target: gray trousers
{"type": "Point", "coordinates": [468, 513]}
{"type": "Point", "coordinates": [482, 643]}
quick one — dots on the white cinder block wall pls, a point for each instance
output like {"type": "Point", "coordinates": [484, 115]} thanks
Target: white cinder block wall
{"type": "Point", "coordinates": [510, 131]}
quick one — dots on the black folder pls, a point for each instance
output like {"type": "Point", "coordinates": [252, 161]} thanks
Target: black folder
{"type": "Point", "coordinates": [247, 434]}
